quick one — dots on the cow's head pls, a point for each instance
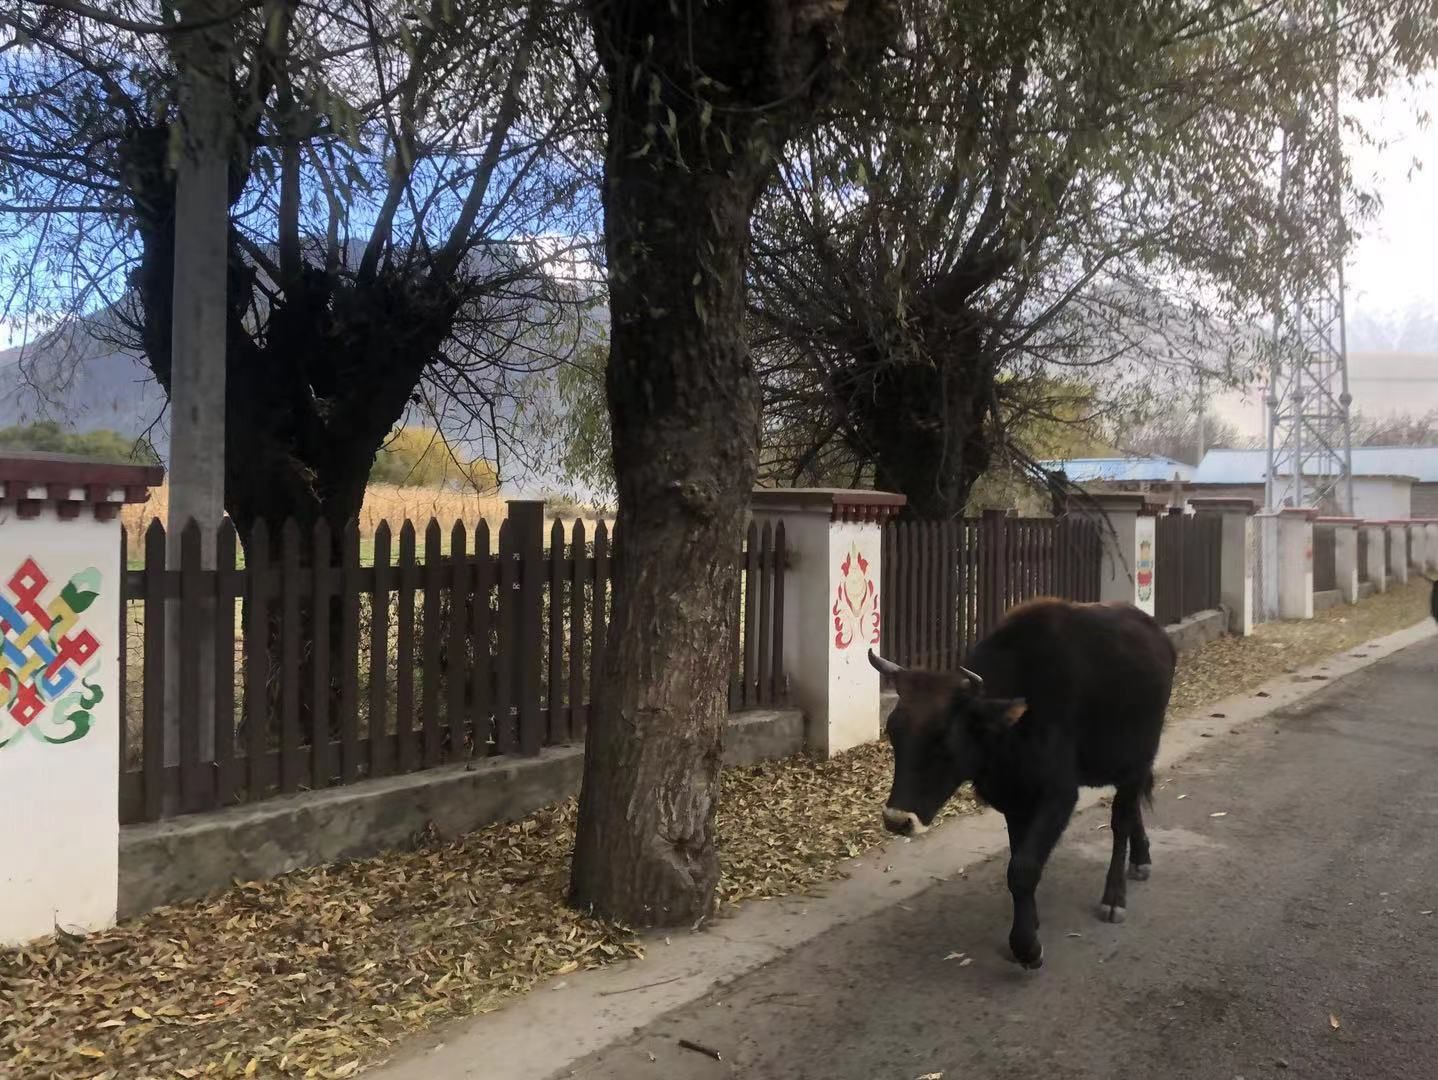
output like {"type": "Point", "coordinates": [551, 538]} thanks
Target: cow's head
{"type": "Point", "coordinates": [939, 731]}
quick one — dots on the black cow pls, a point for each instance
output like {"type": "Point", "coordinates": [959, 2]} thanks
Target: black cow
{"type": "Point", "coordinates": [1059, 696]}
{"type": "Point", "coordinates": [1433, 600]}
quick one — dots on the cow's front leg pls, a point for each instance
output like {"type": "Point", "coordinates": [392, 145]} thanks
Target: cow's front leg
{"type": "Point", "coordinates": [1032, 836]}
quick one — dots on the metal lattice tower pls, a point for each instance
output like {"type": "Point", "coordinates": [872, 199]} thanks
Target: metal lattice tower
{"type": "Point", "coordinates": [1310, 459]}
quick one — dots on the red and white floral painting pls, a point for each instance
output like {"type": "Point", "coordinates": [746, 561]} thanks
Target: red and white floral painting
{"type": "Point", "coordinates": [856, 603]}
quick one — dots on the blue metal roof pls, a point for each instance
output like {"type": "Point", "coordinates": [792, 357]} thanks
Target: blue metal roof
{"type": "Point", "coordinates": [1247, 466]}
{"type": "Point", "coordinates": [1155, 469]}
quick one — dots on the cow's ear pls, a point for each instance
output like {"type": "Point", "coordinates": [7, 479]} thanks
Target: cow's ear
{"type": "Point", "coordinates": [1015, 711]}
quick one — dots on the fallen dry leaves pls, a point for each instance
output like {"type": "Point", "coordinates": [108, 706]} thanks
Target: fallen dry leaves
{"type": "Point", "coordinates": [316, 974]}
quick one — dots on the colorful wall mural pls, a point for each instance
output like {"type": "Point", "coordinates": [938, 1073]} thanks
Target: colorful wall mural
{"type": "Point", "coordinates": [49, 663]}
{"type": "Point", "coordinates": [856, 603]}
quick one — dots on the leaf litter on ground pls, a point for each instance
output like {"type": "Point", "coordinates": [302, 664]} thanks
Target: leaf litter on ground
{"type": "Point", "coordinates": [319, 973]}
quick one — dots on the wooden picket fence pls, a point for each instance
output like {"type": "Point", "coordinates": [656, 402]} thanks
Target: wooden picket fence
{"type": "Point", "coordinates": [330, 665]}
{"type": "Point", "coordinates": [947, 584]}
{"type": "Point", "coordinates": [1186, 565]}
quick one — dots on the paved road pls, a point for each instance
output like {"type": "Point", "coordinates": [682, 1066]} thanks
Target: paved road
{"type": "Point", "coordinates": [1305, 902]}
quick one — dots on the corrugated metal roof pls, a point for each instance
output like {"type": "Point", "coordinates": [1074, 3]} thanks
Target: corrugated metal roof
{"type": "Point", "coordinates": [1156, 469]}
{"type": "Point", "coordinates": [1247, 466]}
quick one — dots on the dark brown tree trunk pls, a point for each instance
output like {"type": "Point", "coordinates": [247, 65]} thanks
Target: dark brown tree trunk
{"type": "Point", "coordinates": [681, 179]}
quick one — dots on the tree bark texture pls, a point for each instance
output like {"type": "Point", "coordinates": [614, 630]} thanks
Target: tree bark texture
{"type": "Point", "coordinates": [701, 99]}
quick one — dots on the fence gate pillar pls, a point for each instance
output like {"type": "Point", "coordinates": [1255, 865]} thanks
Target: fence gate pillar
{"type": "Point", "coordinates": [61, 612]}
{"type": "Point", "coordinates": [1345, 555]}
{"type": "Point", "coordinates": [1377, 556]}
{"type": "Point", "coordinates": [1418, 545]}
{"type": "Point", "coordinates": [1295, 562]}
{"type": "Point", "coordinates": [1130, 549]}
{"type": "Point", "coordinates": [832, 606]}
{"type": "Point", "coordinates": [1237, 559]}
{"type": "Point", "coordinates": [1398, 554]}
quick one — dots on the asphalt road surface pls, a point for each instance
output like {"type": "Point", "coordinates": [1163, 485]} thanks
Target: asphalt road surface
{"type": "Point", "coordinates": [1293, 936]}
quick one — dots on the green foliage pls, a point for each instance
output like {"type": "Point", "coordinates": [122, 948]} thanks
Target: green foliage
{"type": "Point", "coordinates": [420, 457]}
{"type": "Point", "coordinates": [47, 436]}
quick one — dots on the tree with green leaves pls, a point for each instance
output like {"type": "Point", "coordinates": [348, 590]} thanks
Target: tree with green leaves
{"type": "Point", "coordinates": [1024, 193]}
{"type": "Point", "coordinates": [700, 101]}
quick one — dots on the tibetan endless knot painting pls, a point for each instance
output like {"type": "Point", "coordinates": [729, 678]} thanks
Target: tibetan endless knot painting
{"type": "Point", "coordinates": [856, 603]}
{"type": "Point", "coordinates": [48, 661]}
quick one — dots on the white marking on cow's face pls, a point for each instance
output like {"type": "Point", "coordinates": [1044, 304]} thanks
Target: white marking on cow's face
{"type": "Point", "coordinates": [897, 819]}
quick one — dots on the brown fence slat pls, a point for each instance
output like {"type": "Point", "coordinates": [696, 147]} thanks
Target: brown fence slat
{"type": "Point", "coordinates": [456, 661]}
{"type": "Point", "coordinates": [433, 636]}
{"type": "Point", "coordinates": [781, 554]}
{"type": "Point", "coordinates": [751, 614]}
{"type": "Point", "coordinates": [349, 654]}
{"type": "Point", "coordinates": [257, 664]}
{"type": "Point", "coordinates": [226, 776]}
{"type": "Point", "coordinates": [193, 783]}
{"type": "Point", "coordinates": [289, 656]}
{"type": "Point", "coordinates": [153, 724]}
{"type": "Point", "coordinates": [380, 658]}
{"type": "Point", "coordinates": [888, 574]}
{"type": "Point", "coordinates": [506, 732]}
{"type": "Point", "coordinates": [481, 646]}
{"type": "Point", "coordinates": [766, 614]}
{"type": "Point", "coordinates": [528, 658]}
{"type": "Point", "coordinates": [578, 714]}
{"type": "Point", "coordinates": [559, 717]}
{"type": "Point", "coordinates": [928, 609]}
{"type": "Point", "coordinates": [408, 746]}
{"type": "Point", "coordinates": [321, 683]}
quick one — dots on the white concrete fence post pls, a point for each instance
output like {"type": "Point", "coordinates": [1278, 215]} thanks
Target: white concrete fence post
{"type": "Point", "coordinates": [1398, 557]}
{"type": "Point", "coordinates": [61, 590]}
{"type": "Point", "coordinates": [1130, 549]}
{"type": "Point", "coordinates": [833, 606]}
{"type": "Point", "coordinates": [1377, 560]}
{"type": "Point", "coordinates": [1238, 542]}
{"type": "Point", "coordinates": [1295, 562]}
{"type": "Point", "coordinates": [1345, 555]}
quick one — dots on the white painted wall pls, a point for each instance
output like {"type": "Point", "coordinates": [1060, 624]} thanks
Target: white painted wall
{"type": "Point", "coordinates": [1382, 498]}
{"type": "Point", "coordinates": [1130, 558]}
{"type": "Point", "coordinates": [853, 630]}
{"type": "Point", "coordinates": [832, 613]}
{"type": "Point", "coordinates": [59, 848]}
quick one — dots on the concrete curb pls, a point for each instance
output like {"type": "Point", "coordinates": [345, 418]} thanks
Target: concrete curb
{"type": "Point", "coordinates": [595, 1008]}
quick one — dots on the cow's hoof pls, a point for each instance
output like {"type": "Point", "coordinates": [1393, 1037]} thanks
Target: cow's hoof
{"type": "Point", "coordinates": [1140, 871]}
{"type": "Point", "coordinates": [1112, 913]}
{"type": "Point", "coordinates": [1030, 961]}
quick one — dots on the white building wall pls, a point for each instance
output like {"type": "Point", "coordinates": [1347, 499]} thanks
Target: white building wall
{"type": "Point", "coordinates": [1382, 498]}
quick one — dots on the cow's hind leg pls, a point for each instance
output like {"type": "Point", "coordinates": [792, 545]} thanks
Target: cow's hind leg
{"type": "Point", "coordinates": [1140, 860]}
{"type": "Point", "coordinates": [1031, 843]}
{"type": "Point", "coordinates": [1124, 823]}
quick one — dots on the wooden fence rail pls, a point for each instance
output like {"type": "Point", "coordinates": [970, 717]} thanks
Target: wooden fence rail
{"type": "Point", "coordinates": [947, 584]}
{"type": "Point", "coordinates": [323, 669]}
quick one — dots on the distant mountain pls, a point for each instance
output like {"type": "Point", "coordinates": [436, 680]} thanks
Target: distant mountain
{"type": "Point", "coordinates": [83, 385]}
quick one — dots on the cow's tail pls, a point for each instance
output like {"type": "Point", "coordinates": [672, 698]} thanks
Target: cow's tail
{"type": "Point", "coordinates": [1148, 788]}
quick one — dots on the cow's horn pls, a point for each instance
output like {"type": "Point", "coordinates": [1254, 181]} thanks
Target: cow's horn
{"type": "Point", "coordinates": [973, 677]}
{"type": "Point", "coordinates": [882, 666]}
